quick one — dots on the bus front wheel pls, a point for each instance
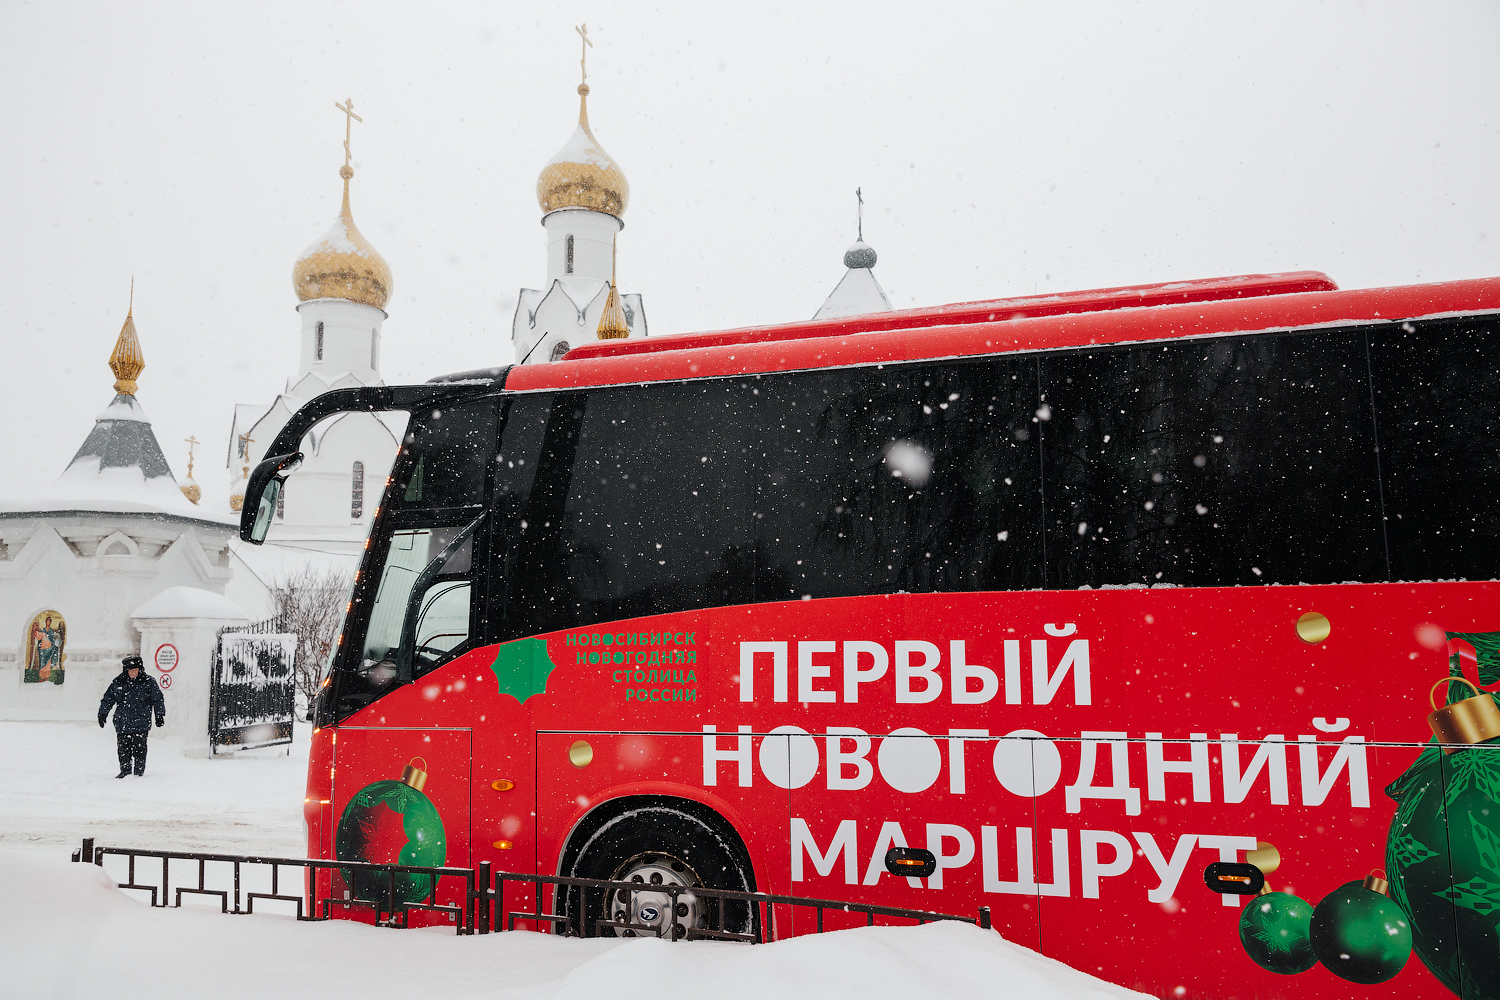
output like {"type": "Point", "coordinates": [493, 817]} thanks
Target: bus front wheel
{"type": "Point", "coordinates": [655, 841]}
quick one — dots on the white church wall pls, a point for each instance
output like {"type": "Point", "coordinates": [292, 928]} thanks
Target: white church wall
{"type": "Point", "coordinates": [568, 315]}
{"type": "Point", "coordinates": [351, 339]}
{"type": "Point", "coordinates": [593, 243]}
{"type": "Point", "coordinates": [95, 592]}
{"type": "Point", "coordinates": [185, 688]}
{"type": "Point", "coordinates": [262, 432]}
{"type": "Point", "coordinates": [319, 495]}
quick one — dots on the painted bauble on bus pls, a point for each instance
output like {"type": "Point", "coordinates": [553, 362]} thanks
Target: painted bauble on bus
{"type": "Point", "coordinates": [391, 822]}
{"type": "Point", "coordinates": [1360, 934]}
{"type": "Point", "coordinates": [1275, 931]}
{"type": "Point", "coordinates": [1443, 849]}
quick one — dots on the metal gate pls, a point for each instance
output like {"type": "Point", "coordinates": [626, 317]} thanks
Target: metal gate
{"type": "Point", "coordinates": [252, 690]}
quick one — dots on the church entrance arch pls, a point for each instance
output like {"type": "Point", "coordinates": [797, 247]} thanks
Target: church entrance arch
{"type": "Point", "coordinates": [46, 642]}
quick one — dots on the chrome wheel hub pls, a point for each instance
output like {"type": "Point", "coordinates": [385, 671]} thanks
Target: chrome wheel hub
{"type": "Point", "coordinates": [653, 908]}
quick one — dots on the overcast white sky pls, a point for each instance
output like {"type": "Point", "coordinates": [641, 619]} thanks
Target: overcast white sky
{"type": "Point", "coordinates": [1003, 148]}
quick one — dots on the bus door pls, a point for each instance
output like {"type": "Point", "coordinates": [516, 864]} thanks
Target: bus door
{"type": "Point", "coordinates": [401, 796]}
{"type": "Point", "coordinates": [854, 797]}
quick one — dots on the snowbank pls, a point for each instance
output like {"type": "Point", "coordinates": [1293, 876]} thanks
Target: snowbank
{"type": "Point", "coordinates": [68, 932]}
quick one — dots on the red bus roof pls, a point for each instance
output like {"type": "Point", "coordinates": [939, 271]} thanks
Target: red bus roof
{"type": "Point", "coordinates": [1250, 303]}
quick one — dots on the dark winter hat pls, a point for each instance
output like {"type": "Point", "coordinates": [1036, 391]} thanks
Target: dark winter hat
{"type": "Point", "coordinates": [132, 663]}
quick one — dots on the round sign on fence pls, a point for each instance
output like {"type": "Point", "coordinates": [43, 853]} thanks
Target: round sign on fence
{"type": "Point", "coordinates": [166, 681]}
{"type": "Point", "coordinates": [166, 657]}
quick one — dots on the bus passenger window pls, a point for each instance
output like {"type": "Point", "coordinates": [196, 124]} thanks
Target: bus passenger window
{"type": "Point", "coordinates": [1437, 407]}
{"type": "Point", "coordinates": [920, 478]}
{"type": "Point", "coordinates": [1232, 461]}
{"type": "Point", "coordinates": [639, 504]}
{"type": "Point", "coordinates": [449, 448]}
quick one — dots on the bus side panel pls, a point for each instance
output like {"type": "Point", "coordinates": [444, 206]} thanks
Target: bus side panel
{"type": "Point", "coordinates": [1137, 912]}
{"type": "Point", "coordinates": [401, 796]}
{"type": "Point", "coordinates": [845, 820]}
{"type": "Point", "coordinates": [585, 770]}
{"type": "Point", "coordinates": [1405, 627]}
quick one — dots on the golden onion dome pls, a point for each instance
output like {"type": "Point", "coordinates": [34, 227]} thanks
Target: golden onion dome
{"type": "Point", "coordinates": [582, 175]}
{"type": "Point", "coordinates": [343, 264]}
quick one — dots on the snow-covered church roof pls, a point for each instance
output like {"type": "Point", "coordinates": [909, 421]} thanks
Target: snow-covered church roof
{"type": "Point", "coordinates": [120, 467]}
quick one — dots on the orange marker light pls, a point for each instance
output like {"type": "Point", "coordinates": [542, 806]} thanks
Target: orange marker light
{"type": "Point", "coordinates": [504, 845]}
{"type": "Point", "coordinates": [502, 784]}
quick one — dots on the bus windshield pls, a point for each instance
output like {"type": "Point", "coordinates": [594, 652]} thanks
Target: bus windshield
{"type": "Point", "coordinates": [422, 605]}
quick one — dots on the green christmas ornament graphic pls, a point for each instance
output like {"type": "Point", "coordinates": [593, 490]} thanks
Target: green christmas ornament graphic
{"type": "Point", "coordinates": [1443, 849]}
{"type": "Point", "coordinates": [392, 822]}
{"type": "Point", "coordinates": [1360, 934]}
{"type": "Point", "coordinates": [1275, 930]}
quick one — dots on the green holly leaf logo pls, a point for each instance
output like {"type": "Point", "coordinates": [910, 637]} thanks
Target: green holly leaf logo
{"type": "Point", "coordinates": [522, 668]}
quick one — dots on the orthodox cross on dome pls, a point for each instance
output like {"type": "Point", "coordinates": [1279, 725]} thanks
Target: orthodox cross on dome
{"type": "Point", "coordinates": [245, 442]}
{"type": "Point", "coordinates": [190, 441]}
{"type": "Point", "coordinates": [349, 119]}
{"type": "Point", "coordinates": [858, 193]}
{"type": "Point", "coordinates": [583, 63]}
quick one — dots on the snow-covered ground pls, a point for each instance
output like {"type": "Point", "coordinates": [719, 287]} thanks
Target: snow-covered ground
{"type": "Point", "coordinates": [66, 931]}
{"type": "Point", "coordinates": [59, 786]}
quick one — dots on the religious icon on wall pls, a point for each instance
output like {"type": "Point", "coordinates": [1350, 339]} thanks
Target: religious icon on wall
{"type": "Point", "coordinates": [44, 650]}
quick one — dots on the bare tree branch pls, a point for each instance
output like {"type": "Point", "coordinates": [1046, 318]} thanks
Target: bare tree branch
{"type": "Point", "coordinates": [310, 602]}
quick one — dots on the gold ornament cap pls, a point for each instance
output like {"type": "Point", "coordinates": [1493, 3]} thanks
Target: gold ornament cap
{"type": "Point", "coordinates": [126, 361]}
{"type": "Point", "coordinates": [1466, 722]}
{"type": "Point", "coordinates": [1376, 882]}
{"type": "Point", "coordinates": [415, 776]}
{"type": "Point", "coordinates": [343, 264]}
{"type": "Point", "coordinates": [582, 174]}
{"type": "Point", "coordinates": [612, 325]}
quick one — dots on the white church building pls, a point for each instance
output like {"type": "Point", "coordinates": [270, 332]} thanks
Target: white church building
{"type": "Point", "coordinates": [583, 195]}
{"type": "Point", "coordinates": [81, 555]}
{"type": "Point", "coordinates": [342, 286]}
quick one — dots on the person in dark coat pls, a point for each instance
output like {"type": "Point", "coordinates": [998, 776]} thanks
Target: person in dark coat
{"type": "Point", "coordinates": [134, 695]}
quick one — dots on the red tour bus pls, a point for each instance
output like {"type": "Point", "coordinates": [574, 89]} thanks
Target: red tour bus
{"type": "Point", "coordinates": [1080, 593]}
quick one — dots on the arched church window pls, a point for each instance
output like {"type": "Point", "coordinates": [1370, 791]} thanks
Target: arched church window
{"type": "Point", "coordinates": [374, 342]}
{"type": "Point", "coordinates": [357, 492]}
{"type": "Point", "coordinates": [318, 347]}
{"type": "Point", "coordinates": [568, 262]}
{"type": "Point", "coordinates": [558, 350]}
{"type": "Point", "coordinates": [46, 639]}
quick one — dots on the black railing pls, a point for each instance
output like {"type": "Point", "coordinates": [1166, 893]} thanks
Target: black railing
{"type": "Point", "coordinates": [480, 897]}
{"type": "Point", "coordinates": [758, 928]}
{"type": "Point", "coordinates": [375, 887]}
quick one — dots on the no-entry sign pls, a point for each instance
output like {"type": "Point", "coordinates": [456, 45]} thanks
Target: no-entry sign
{"type": "Point", "coordinates": [166, 657]}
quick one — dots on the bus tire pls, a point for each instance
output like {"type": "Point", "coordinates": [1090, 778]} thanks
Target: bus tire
{"type": "Point", "coordinates": [656, 839]}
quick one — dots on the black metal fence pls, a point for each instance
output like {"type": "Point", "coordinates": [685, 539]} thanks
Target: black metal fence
{"type": "Point", "coordinates": [476, 897]}
{"type": "Point", "coordinates": [377, 885]}
{"type": "Point", "coordinates": [491, 893]}
{"type": "Point", "coordinates": [252, 686]}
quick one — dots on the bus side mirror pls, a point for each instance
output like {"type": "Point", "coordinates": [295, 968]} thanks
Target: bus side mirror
{"type": "Point", "coordinates": [262, 493]}
{"type": "Point", "coordinates": [910, 861]}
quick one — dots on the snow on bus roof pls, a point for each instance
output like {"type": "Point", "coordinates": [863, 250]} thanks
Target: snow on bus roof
{"type": "Point", "coordinates": [1140, 314]}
